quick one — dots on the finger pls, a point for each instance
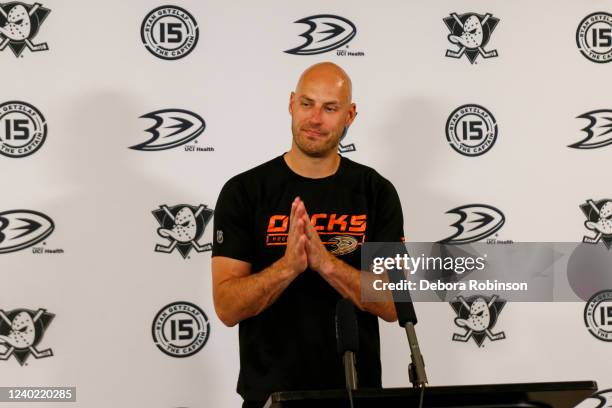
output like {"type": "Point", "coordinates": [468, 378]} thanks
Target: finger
{"type": "Point", "coordinates": [304, 206]}
{"type": "Point", "coordinates": [300, 247]}
{"type": "Point", "coordinates": [299, 210]}
{"type": "Point", "coordinates": [292, 215]}
{"type": "Point", "coordinates": [308, 228]}
{"type": "Point", "coordinates": [302, 242]}
{"type": "Point", "coordinates": [299, 230]}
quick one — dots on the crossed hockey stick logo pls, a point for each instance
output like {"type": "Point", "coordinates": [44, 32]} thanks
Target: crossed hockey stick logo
{"type": "Point", "coordinates": [478, 315]}
{"type": "Point", "coordinates": [183, 225]}
{"type": "Point", "coordinates": [471, 32]}
{"type": "Point", "coordinates": [24, 330]}
{"type": "Point", "coordinates": [21, 24]}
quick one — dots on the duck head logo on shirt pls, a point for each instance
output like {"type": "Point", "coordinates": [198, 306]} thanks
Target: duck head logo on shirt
{"type": "Point", "coordinates": [340, 233]}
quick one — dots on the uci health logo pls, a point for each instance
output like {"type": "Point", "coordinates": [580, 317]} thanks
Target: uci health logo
{"type": "Point", "coordinates": [326, 32]}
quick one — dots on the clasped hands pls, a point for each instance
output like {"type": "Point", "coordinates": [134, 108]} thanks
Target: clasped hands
{"type": "Point", "coordinates": [304, 247]}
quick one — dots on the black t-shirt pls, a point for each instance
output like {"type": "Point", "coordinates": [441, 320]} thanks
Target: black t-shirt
{"type": "Point", "coordinates": [292, 344]}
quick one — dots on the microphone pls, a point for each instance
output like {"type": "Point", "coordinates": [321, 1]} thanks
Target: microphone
{"type": "Point", "coordinates": [406, 317]}
{"type": "Point", "coordinates": [347, 340]}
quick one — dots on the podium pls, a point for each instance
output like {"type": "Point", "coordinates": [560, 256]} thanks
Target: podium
{"type": "Point", "coordinates": [532, 395]}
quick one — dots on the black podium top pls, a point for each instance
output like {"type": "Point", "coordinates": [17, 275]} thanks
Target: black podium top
{"type": "Point", "coordinates": [553, 394]}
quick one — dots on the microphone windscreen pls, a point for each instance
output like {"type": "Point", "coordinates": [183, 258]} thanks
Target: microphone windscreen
{"type": "Point", "coordinates": [347, 332]}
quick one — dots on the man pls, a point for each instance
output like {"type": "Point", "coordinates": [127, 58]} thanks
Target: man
{"type": "Point", "coordinates": [288, 237]}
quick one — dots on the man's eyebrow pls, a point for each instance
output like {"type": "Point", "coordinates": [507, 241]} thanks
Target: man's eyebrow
{"type": "Point", "coordinates": [328, 103]}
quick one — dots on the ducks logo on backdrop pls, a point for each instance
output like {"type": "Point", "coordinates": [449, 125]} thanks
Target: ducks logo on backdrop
{"type": "Point", "coordinates": [173, 128]}
{"type": "Point", "coordinates": [598, 131]}
{"type": "Point", "coordinates": [477, 315]}
{"type": "Point", "coordinates": [470, 32]}
{"type": "Point", "coordinates": [599, 221]}
{"type": "Point", "coordinates": [476, 222]}
{"type": "Point", "coordinates": [183, 226]}
{"type": "Point", "coordinates": [326, 32]}
{"type": "Point", "coordinates": [22, 229]}
{"type": "Point", "coordinates": [19, 24]}
{"type": "Point", "coordinates": [21, 331]}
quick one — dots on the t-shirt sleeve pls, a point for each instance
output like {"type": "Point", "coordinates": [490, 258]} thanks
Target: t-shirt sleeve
{"type": "Point", "coordinates": [389, 223]}
{"type": "Point", "coordinates": [233, 236]}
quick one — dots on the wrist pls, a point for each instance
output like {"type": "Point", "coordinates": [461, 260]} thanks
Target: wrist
{"type": "Point", "coordinates": [328, 267]}
{"type": "Point", "coordinates": [286, 270]}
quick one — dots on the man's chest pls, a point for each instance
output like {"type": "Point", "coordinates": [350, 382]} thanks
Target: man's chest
{"type": "Point", "coordinates": [342, 219]}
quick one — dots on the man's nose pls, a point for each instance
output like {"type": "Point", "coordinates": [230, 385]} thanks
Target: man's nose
{"type": "Point", "coordinates": [315, 116]}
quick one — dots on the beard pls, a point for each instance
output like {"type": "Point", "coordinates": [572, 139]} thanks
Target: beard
{"type": "Point", "coordinates": [320, 146]}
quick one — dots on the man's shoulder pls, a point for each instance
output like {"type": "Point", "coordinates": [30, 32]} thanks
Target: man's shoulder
{"type": "Point", "coordinates": [365, 172]}
{"type": "Point", "coordinates": [254, 174]}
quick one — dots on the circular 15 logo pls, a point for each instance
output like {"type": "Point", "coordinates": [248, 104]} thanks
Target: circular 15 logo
{"type": "Point", "coordinates": [471, 130]}
{"type": "Point", "coordinates": [180, 329]}
{"type": "Point", "coordinates": [169, 32]}
{"type": "Point", "coordinates": [598, 315]}
{"type": "Point", "coordinates": [23, 129]}
{"type": "Point", "coordinates": [594, 37]}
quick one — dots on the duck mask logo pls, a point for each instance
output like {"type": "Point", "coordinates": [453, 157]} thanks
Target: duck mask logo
{"type": "Point", "coordinates": [471, 33]}
{"type": "Point", "coordinates": [19, 24]}
{"type": "Point", "coordinates": [183, 225]}
{"type": "Point", "coordinates": [20, 332]}
{"type": "Point", "coordinates": [477, 315]}
{"type": "Point", "coordinates": [599, 221]}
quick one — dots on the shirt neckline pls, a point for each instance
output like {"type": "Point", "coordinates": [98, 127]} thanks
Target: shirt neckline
{"type": "Point", "coordinates": [314, 180]}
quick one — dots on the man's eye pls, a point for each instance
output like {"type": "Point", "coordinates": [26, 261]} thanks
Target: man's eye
{"type": "Point", "coordinates": [305, 104]}
{"type": "Point", "coordinates": [331, 109]}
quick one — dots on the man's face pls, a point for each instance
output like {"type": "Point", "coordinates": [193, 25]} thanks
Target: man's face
{"type": "Point", "coordinates": [320, 109]}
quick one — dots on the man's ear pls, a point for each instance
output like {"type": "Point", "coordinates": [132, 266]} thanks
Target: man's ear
{"type": "Point", "coordinates": [291, 98]}
{"type": "Point", "coordinates": [352, 113]}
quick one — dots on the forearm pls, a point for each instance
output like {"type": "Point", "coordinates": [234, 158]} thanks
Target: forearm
{"type": "Point", "coordinates": [347, 281]}
{"type": "Point", "coordinates": [240, 298]}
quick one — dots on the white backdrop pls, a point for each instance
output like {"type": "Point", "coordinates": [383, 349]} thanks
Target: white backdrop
{"type": "Point", "coordinates": [97, 79]}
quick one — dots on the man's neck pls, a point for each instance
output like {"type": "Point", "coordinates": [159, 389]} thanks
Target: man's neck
{"type": "Point", "coordinates": [311, 167]}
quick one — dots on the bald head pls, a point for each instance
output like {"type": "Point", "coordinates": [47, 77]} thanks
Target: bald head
{"type": "Point", "coordinates": [330, 76]}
